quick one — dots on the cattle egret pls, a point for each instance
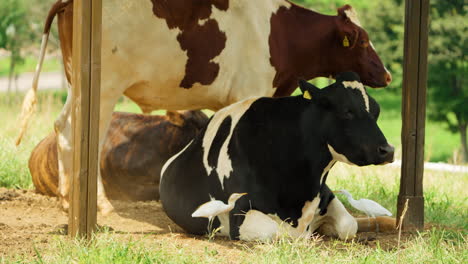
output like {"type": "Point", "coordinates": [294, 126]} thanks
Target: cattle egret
{"type": "Point", "coordinates": [369, 207]}
{"type": "Point", "coordinates": [216, 207]}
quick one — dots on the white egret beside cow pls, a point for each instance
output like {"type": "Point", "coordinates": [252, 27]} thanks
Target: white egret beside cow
{"type": "Point", "coordinates": [215, 207]}
{"type": "Point", "coordinates": [369, 207]}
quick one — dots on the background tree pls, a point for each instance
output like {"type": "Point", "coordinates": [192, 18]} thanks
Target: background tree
{"type": "Point", "coordinates": [15, 32]}
{"type": "Point", "coordinates": [448, 67]}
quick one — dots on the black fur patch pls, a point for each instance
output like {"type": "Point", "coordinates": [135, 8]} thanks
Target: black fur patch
{"type": "Point", "coordinates": [218, 141]}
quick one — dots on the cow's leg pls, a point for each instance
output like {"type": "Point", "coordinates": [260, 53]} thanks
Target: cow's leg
{"type": "Point", "coordinates": [62, 127]}
{"type": "Point", "coordinates": [237, 216]}
{"type": "Point", "coordinates": [65, 149]}
{"type": "Point", "coordinates": [338, 221]}
{"type": "Point", "coordinates": [108, 102]}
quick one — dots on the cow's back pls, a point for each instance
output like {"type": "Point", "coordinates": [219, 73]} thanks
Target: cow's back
{"type": "Point", "coordinates": [193, 64]}
{"type": "Point", "coordinates": [134, 152]}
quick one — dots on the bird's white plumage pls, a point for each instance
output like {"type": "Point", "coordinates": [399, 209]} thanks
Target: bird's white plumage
{"type": "Point", "coordinates": [214, 208]}
{"type": "Point", "coordinates": [211, 208]}
{"type": "Point", "coordinates": [369, 207]}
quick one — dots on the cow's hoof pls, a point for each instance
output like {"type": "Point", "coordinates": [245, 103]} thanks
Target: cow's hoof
{"type": "Point", "coordinates": [105, 207]}
{"type": "Point", "coordinates": [64, 205]}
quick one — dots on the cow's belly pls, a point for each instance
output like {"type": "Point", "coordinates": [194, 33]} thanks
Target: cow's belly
{"type": "Point", "coordinates": [142, 58]}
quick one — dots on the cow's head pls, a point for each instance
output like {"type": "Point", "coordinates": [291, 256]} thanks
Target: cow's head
{"type": "Point", "coordinates": [194, 119]}
{"type": "Point", "coordinates": [353, 51]}
{"type": "Point", "coordinates": [348, 121]}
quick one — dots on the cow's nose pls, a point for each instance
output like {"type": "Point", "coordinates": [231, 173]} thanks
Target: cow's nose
{"type": "Point", "coordinates": [388, 78]}
{"type": "Point", "coordinates": [386, 152]}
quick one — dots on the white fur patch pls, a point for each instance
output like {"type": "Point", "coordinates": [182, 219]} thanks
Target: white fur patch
{"type": "Point", "coordinates": [235, 111]}
{"type": "Point", "coordinates": [339, 157]}
{"type": "Point", "coordinates": [360, 87]}
{"type": "Point", "coordinates": [246, 24]}
{"type": "Point", "coordinates": [338, 221]}
{"type": "Point", "coordinates": [327, 168]}
{"type": "Point", "coordinates": [352, 15]}
{"type": "Point", "coordinates": [171, 159]}
{"type": "Point", "coordinates": [373, 47]}
{"type": "Point", "coordinates": [308, 213]}
{"type": "Point", "coordinates": [258, 226]}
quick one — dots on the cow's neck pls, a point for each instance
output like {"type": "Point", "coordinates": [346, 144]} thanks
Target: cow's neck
{"type": "Point", "coordinates": [296, 46]}
{"type": "Point", "coordinates": [315, 129]}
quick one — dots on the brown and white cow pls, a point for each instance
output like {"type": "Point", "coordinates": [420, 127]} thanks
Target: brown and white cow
{"type": "Point", "coordinates": [185, 54]}
{"type": "Point", "coordinates": [135, 149]}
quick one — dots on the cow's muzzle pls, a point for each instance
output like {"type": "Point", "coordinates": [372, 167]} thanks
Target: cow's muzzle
{"type": "Point", "coordinates": [386, 153]}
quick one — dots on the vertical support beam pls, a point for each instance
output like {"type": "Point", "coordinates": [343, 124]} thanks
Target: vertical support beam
{"type": "Point", "coordinates": [414, 112]}
{"type": "Point", "coordinates": [85, 116]}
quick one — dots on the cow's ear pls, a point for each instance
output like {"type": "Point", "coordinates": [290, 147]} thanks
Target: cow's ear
{"type": "Point", "coordinates": [308, 90]}
{"type": "Point", "coordinates": [347, 13]}
{"type": "Point", "coordinates": [343, 10]}
{"type": "Point", "coordinates": [176, 118]}
{"type": "Point", "coordinates": [374, 108]}
{"type": "Point", "coordinates": [349, 27]}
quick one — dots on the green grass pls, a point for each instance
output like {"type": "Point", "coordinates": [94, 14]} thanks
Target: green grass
{"type": "Point", "coordinates": [446, 203]}
{"type": "Point", "coordinates": [50, 64]}
{"type": "Point", "coordinates": [432, 246]}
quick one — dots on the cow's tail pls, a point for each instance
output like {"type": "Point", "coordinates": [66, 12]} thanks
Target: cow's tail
{"type": "Point", "coordinates": [30, 100]}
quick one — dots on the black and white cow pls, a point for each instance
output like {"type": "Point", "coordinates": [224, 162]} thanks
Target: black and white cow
{"type": "Point", "coordinates": [279, 151]}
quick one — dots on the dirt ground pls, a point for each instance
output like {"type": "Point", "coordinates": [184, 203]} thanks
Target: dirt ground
{"type": "Point", "coordinates": [29, 220]}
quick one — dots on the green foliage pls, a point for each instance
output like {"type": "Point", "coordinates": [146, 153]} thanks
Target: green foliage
{"type": "Point", "coordinates": [14, 32]}
{"type": "Point", "coordinates": [20, 27]}
{"type": "Point", "coordinates": [329, 6]}
{"type": "Point", "coordinates": [448, 67]}
{"type": "Point", "coordinates": [384, 23]}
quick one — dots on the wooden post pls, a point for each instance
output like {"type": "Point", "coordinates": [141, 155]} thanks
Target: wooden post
{"type": "Point", "coordinates": [85, 115]}
{"type": "Point", "coordinates": [413, 112]}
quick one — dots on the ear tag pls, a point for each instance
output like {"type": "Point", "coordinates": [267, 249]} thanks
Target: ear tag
{"type": "Point", "coordinates": [307, 95]}
{"type": "Point", "coordinates": [345, 42]}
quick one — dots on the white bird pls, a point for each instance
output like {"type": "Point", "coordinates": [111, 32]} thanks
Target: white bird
{"type": "Point", "coordinates": [369, 207]}
{"type": "Point", "coordinates": [216, 207]}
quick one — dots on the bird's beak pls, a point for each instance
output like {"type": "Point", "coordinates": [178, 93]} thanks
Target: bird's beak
{"type": "Point", "coordinates": [242, 194]}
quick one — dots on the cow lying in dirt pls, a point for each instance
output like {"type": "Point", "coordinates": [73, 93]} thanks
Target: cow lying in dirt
{"type": "Point", "coordinates": [279, 152]}
{"type": "Point", "coordinates": [135, 150]}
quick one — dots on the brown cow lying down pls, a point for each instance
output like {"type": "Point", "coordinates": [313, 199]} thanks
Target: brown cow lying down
{"type": "Point", "coordinates": [136, 148]}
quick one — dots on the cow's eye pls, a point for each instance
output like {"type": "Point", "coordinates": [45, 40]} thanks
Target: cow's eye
{"type": "Point", "coordinates": [348, 114]}
{"type": "Point", "coordinates": [364, 43]}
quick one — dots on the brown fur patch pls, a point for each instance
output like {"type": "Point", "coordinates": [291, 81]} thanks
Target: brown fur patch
{"type": "Point", "coordinates": [202, 42]}
{"type": "Point", "coordinates": [305, 44]}
{"type": "Point", "coordinates": [135, 149]}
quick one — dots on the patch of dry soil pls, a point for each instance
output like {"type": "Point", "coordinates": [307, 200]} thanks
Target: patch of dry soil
{"type": "Point", "coordinates": [29, 220]}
